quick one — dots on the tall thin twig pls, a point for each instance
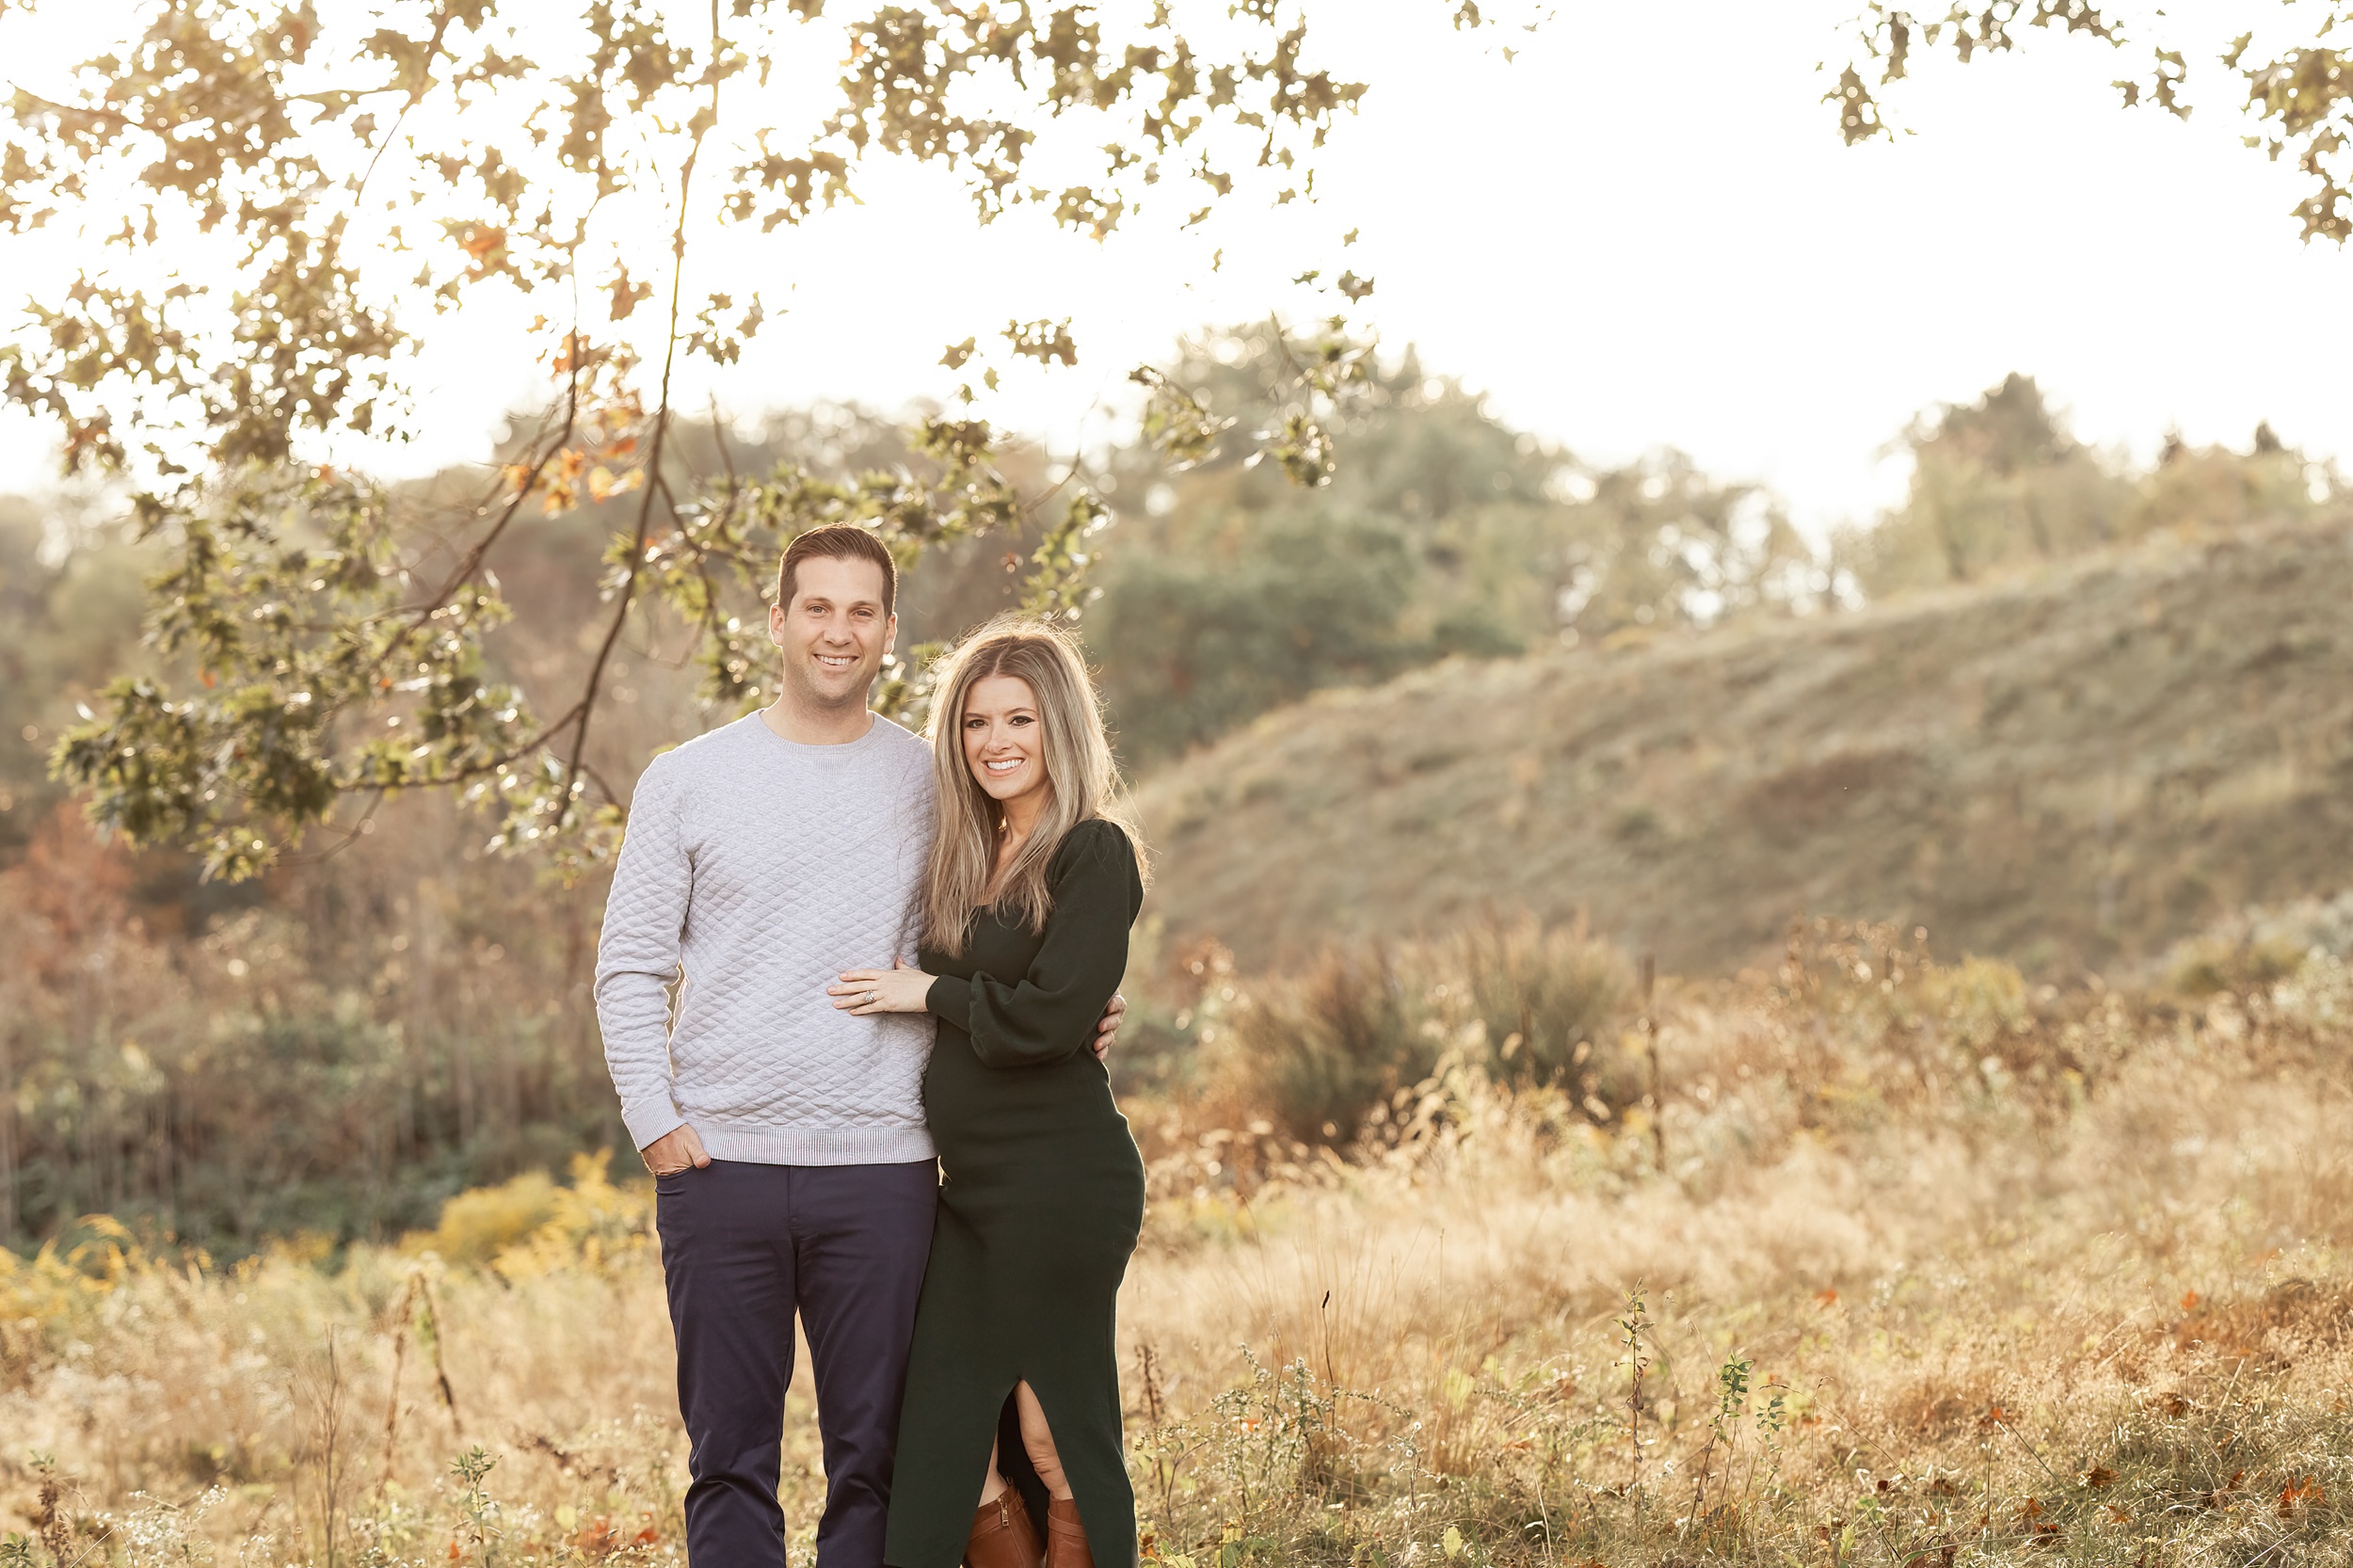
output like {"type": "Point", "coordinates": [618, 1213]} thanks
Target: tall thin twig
{"type": "Point", "coordinates": [1650, 1051]}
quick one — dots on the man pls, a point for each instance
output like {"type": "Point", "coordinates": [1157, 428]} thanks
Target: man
{"type": "Point", "coordinates": [792, 1169]}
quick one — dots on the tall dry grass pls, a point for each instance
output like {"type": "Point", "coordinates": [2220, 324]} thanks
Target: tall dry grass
{"type": "Point", "coordinates": [1938, 1267]}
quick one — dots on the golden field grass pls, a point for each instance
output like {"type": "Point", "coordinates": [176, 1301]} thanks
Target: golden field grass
{"type": "Point", "coordinates": [1905, 1263]}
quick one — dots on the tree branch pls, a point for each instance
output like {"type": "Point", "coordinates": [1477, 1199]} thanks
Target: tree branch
{"type": "Point", "coordinates": [465, 570]}
{"type": "Point", "coordinates": [653, 456]}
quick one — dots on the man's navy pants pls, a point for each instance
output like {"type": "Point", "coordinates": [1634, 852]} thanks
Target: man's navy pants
{"type": "Point", "coordinates": [744, 1246]}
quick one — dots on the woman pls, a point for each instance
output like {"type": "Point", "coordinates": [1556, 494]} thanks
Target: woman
{"type": "Point", "coordinates": [1031, 888]}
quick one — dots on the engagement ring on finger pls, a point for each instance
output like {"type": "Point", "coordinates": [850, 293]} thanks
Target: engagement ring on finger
{"type": "Point", "coordinates": [872, 997]}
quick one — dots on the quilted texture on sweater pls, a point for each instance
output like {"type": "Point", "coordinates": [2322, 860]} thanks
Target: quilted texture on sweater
{"type": "Point", "coordinates": [755, 869]}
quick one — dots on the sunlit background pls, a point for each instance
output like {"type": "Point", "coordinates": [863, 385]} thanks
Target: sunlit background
{"type": "Point", "coordinates": [1656, 1039]}
{"type": "Point", "coordinates": [1635, 227]}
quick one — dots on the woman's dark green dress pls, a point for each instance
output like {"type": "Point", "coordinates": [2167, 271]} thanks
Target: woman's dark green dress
{"type": "Point", "coordinates": [1041, 1197]}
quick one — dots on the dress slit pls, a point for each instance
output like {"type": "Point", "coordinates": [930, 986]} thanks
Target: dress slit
{"type": "Point", "coordinates": [1013, 1458]}
{"type": "Point", "coordinates": [1021, 1471]}
{"type": "Point", "coordinates": [1102, 1500]}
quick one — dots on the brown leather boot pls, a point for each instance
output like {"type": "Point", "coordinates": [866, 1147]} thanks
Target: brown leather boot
{"type": "Point", "coordinates": [1002, 1535]}
{"type": "Point", "coordinates": [1066, 1537]}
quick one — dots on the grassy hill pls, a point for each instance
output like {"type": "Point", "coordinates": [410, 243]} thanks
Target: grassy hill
{"type": "Point", "coordinates": [2076, 769]}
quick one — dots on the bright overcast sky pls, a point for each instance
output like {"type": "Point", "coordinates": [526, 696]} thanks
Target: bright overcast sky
{"type": "Point", "coordinates": [1739, 286]}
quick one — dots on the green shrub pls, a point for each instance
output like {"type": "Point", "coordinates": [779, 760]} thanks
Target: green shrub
{"type": "Point", "coordinates": [1525, 1004]}
{"type": "Point", "coordinates": [1977, 1001]}
{"type": "Point", "coordinates": [1541, 994]}
{"type": "Point", "coordinates": [1315, 1055]}
{"type": "Point", "coordinates": [2213, 963]}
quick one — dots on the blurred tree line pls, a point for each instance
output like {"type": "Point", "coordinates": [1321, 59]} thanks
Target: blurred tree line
{"type": "Point", "coordinates": [1442, 533]}
{"type": "Point", "coordinates": [2001, 485]}
{"type": "Point", "coordinates": [395, 1016]}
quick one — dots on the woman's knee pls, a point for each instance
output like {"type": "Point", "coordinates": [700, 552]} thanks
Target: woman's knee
{"type": "Point", "coordinates": [1037, 1440]}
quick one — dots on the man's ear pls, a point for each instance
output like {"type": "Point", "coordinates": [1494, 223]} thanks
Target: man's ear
{"type": "Point", "coordinates": [775, 624]}
{"type": "Point", "coordinates": [891, 633]}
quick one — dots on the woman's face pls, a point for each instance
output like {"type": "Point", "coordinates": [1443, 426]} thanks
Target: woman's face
{"type": "Point", "coordinates": [1004, 744]}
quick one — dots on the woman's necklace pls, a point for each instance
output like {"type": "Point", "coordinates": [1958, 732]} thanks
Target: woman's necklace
{"type": "Point", "coordinates": [1008, 847]}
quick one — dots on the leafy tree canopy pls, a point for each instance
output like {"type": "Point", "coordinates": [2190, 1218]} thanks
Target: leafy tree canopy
{"type": "Point", "coordinates": [2290, 77]}
{"type": "Point", "coordinates": [257, 172]}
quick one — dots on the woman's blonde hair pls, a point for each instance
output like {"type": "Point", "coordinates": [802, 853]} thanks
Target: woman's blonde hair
{"type": "Point", "coordinates": [1081, 778]}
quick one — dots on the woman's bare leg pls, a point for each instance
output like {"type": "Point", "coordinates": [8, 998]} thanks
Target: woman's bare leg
{"type": "Point", "coordinates": [994, 1482]}
{"type": "Point", "coordinates": [1038, 1440]}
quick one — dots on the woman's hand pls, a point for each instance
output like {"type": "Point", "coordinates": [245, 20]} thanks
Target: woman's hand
{"type": "Point", "coordinates": [898, 990]}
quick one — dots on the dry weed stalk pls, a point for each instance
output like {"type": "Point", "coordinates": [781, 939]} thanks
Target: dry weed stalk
{"type": "Point", "coordinates": [320, 1387]}
{"type": "Point", "coordinates": [416, 1297]}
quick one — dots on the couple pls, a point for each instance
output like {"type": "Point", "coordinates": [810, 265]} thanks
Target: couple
{"type": "Point", "coordinates": [951, 1220]}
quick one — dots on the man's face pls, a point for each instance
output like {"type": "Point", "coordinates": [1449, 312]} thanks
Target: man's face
{"type": "Point", "coordinates": [834, 632]}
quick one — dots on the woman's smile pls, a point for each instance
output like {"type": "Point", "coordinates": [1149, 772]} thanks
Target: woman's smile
{"type": "Point", "coordinates": [1004, 742]}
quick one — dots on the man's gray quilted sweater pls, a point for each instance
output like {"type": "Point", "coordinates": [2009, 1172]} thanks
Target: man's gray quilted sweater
{"type": "Point", "coordinates": [755, 869]}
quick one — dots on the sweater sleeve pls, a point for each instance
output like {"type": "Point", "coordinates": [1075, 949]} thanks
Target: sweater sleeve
{"type": "Point", "coordinates": [638, 957]}
{"type": "Point", "coordinates": [1049, 1015]}
{"type": "Point", "coordinates": [922, 806]}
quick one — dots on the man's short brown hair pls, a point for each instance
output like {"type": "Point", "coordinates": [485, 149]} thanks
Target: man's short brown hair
{"type": "Point", "coordinates": [840, 541]}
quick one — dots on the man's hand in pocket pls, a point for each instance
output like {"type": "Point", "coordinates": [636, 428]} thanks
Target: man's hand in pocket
{"type": "Point", "coordinates": [676, 1150]}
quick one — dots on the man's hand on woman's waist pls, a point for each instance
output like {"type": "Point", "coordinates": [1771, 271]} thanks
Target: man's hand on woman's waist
{"type": "Point", "coordinates": [903, 987]}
